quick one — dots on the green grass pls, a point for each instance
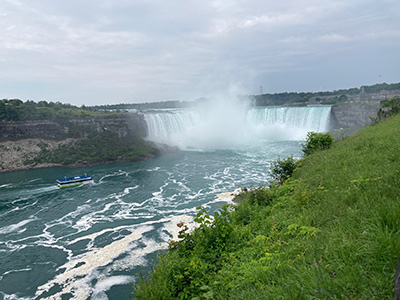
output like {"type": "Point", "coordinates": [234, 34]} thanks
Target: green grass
{"type": "Point", "coordinates": [332, 231]}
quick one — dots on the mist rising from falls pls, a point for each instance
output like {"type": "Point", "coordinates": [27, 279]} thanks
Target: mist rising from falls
{"type": "Point", "coordinates": [223, 126]}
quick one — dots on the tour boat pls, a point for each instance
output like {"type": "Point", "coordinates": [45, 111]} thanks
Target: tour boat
{"type": "Point", "coordinates": [74, 181]}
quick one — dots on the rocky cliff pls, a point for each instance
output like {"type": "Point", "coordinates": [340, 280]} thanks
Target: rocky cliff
{"type": "Point", "coordinates": [126, 125]}
{"type": "Point", "coordinates": [22, 141]}
{"type": "Point", "coordinates": [353, 116]}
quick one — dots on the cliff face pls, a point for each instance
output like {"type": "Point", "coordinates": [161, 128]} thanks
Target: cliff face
{"type": "Point", "coordinates": [31, 129]}
{"type": "Point", "coordinates": [354, 116]}
{"type": "Point", "coordinates": [128, 125]}
{"type": "Point", "coordinates": [21, 142]}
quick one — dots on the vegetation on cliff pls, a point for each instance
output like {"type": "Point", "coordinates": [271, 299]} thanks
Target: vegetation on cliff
{"type": "Point", "coordinates": [330, 231]}
{"type": "Point", "coordinates": [17, 110]}
{"type": "Point", "coordinates": [111, 137]}
{"type": "Point", "coordinates": [98, 147]}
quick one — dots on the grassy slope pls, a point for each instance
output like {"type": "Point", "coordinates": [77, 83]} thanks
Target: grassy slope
{"type": "Point", "coordinates": [332, 231]}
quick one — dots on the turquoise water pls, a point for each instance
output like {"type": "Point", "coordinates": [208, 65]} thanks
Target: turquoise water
{"type": "Point", "coordinates": [89, 242]}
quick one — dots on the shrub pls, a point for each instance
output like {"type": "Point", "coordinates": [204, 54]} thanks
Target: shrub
{"type": "Point", "coordinates": [393, 105]}
{"type": "Point", "coordinates": [316, 141]}
{"type": "Point", "coordinates": [389, 108]}
{"type": "Point", "coordinates": [282, 169]}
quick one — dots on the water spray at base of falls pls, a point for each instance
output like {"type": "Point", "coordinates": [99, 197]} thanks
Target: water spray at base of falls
{"type": "Point", "coordinates": [223, 124]}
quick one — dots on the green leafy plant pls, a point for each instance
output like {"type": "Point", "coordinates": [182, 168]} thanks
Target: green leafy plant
{"type": "Point", "coordinates": [389, 108]}
{"type": "Point", "coordinates": [282, 169]}
{"type": "Point", "coordinates": [316, 141]}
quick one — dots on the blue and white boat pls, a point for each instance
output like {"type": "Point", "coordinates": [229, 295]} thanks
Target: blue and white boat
{"type": "Point", "coordinates": [73, 181]}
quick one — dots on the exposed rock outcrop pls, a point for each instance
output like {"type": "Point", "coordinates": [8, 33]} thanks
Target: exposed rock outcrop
{"type": "Point", "coordinates": [22, 141]}
{"type": "Point", "coordinates": [14, 154]}
{"type": "Point", "coordinates": [126, 125]}
{"type": "Point", "coordinates": [350, 117]}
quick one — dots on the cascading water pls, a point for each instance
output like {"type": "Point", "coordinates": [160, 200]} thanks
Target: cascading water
{"type": "Point", "coordinates": [226, 128]}
{"type": "Point", "coordinates": [310, 118]}
{"type": "Point", "coordinates": [168, 126]}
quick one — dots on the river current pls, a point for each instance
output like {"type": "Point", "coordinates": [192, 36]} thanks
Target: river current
{"type": "Point", "coordinates": [90, 242]}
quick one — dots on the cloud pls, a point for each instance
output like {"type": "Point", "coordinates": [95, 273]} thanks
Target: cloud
{"type": "Point", "coordinates": [136, 50]}
{"type": "Point", "coordinates": [334, 37]}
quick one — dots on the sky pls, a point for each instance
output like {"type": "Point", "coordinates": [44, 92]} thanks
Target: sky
{"type": "Point", "coordinates": [91, 52]}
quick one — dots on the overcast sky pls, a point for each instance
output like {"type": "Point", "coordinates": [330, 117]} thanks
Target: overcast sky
{"type": "Point", "coordinates": [125, 51]}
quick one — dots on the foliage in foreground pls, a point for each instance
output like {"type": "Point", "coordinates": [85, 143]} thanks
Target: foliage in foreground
{"type": "Point", "coordinates": [316, 141]}
{"type": "Point", "coordinates": [388, 109]}
{"type": "Point", "coordinates": [282, 169]}
{"type": "Point", "coordinates": [332, 231]}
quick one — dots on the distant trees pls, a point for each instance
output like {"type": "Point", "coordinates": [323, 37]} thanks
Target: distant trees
{"type": "Point", "coordinates": [328, 97]}
{"type": "Point", "coordinates": [376, 88]}
{"type": "Point", "coordinates": [17, 110]}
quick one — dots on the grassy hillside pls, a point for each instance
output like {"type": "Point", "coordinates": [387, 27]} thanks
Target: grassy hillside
{"type": "Point", "coordinates": [332, 231]}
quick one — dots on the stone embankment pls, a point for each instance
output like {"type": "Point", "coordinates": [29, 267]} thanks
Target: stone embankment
{"type": "Point", "coordinates": [126, 125]}
{"type": "Point", "coordinates": [348, 118]}
{"type": "Point", "coordinates": [14, 153]}
{"type": "Point", "coordinates": [20, 141]}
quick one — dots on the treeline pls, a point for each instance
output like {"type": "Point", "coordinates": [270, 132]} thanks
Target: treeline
{"type": "Point", "coordinates": [327, 97]}
{"type": "Point", "coordinates": [146, 105]}
{"type": "Point", "coordinates": [17, 110]}
{"type": "Point", "coordinates": [376, 88]}
{"type": "Point", "coordinates": [277, 99]}
{"type": "Point", "coordinates": [302, 98]}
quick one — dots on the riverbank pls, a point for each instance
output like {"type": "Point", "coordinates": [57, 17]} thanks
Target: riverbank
{"type": "Point", "coordinates": [22, 155]}
{"type": "Point", "coordinates": [14, 154]}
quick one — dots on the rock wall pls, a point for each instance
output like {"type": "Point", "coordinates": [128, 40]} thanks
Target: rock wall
{"type": "Point", "coordinates": [31, 129]}
{"type": "Point", "coordinates": [354, 115]}
{"type": "Point", "coordinates": [128, 125]}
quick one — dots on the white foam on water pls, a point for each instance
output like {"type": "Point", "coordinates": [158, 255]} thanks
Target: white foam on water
{"type": "Point", "coordinates": [80, 270]}
{"type": "Point", "coordinates": [126, 191]}
{"type": "Point", "coordinates": [118, 173]}
{"type": "Point", "coordinates": [172, 228]}
{"type": "Point", "coordinates": [227, 196]}
{"type": "Point", "coordinates": [16, 271]}
{"type": "Point", "coordinates": [7, 185]}
{"type": "Point", "coordinates": [153, 169]}
{"type": "Point", "coordinates": [104, 285]}
{"type": "Point", "coordinates": [14, 297]}
{"type": "Point", "coordinates": [19, 200]}
{"type": "Point", "coordinates": [16, 227]}
{"type": "Point", "coordinates": [196, 195]}
{"type": "Point", "coordinates": [12, 210]}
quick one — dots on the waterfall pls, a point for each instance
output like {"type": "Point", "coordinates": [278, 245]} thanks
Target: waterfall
{"type": "Point", "coordinates": [166, 125]}
{"type": "Point", "coordinates": [228, 127]}
{"type": "Point", "coordinates": [313, 118]}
